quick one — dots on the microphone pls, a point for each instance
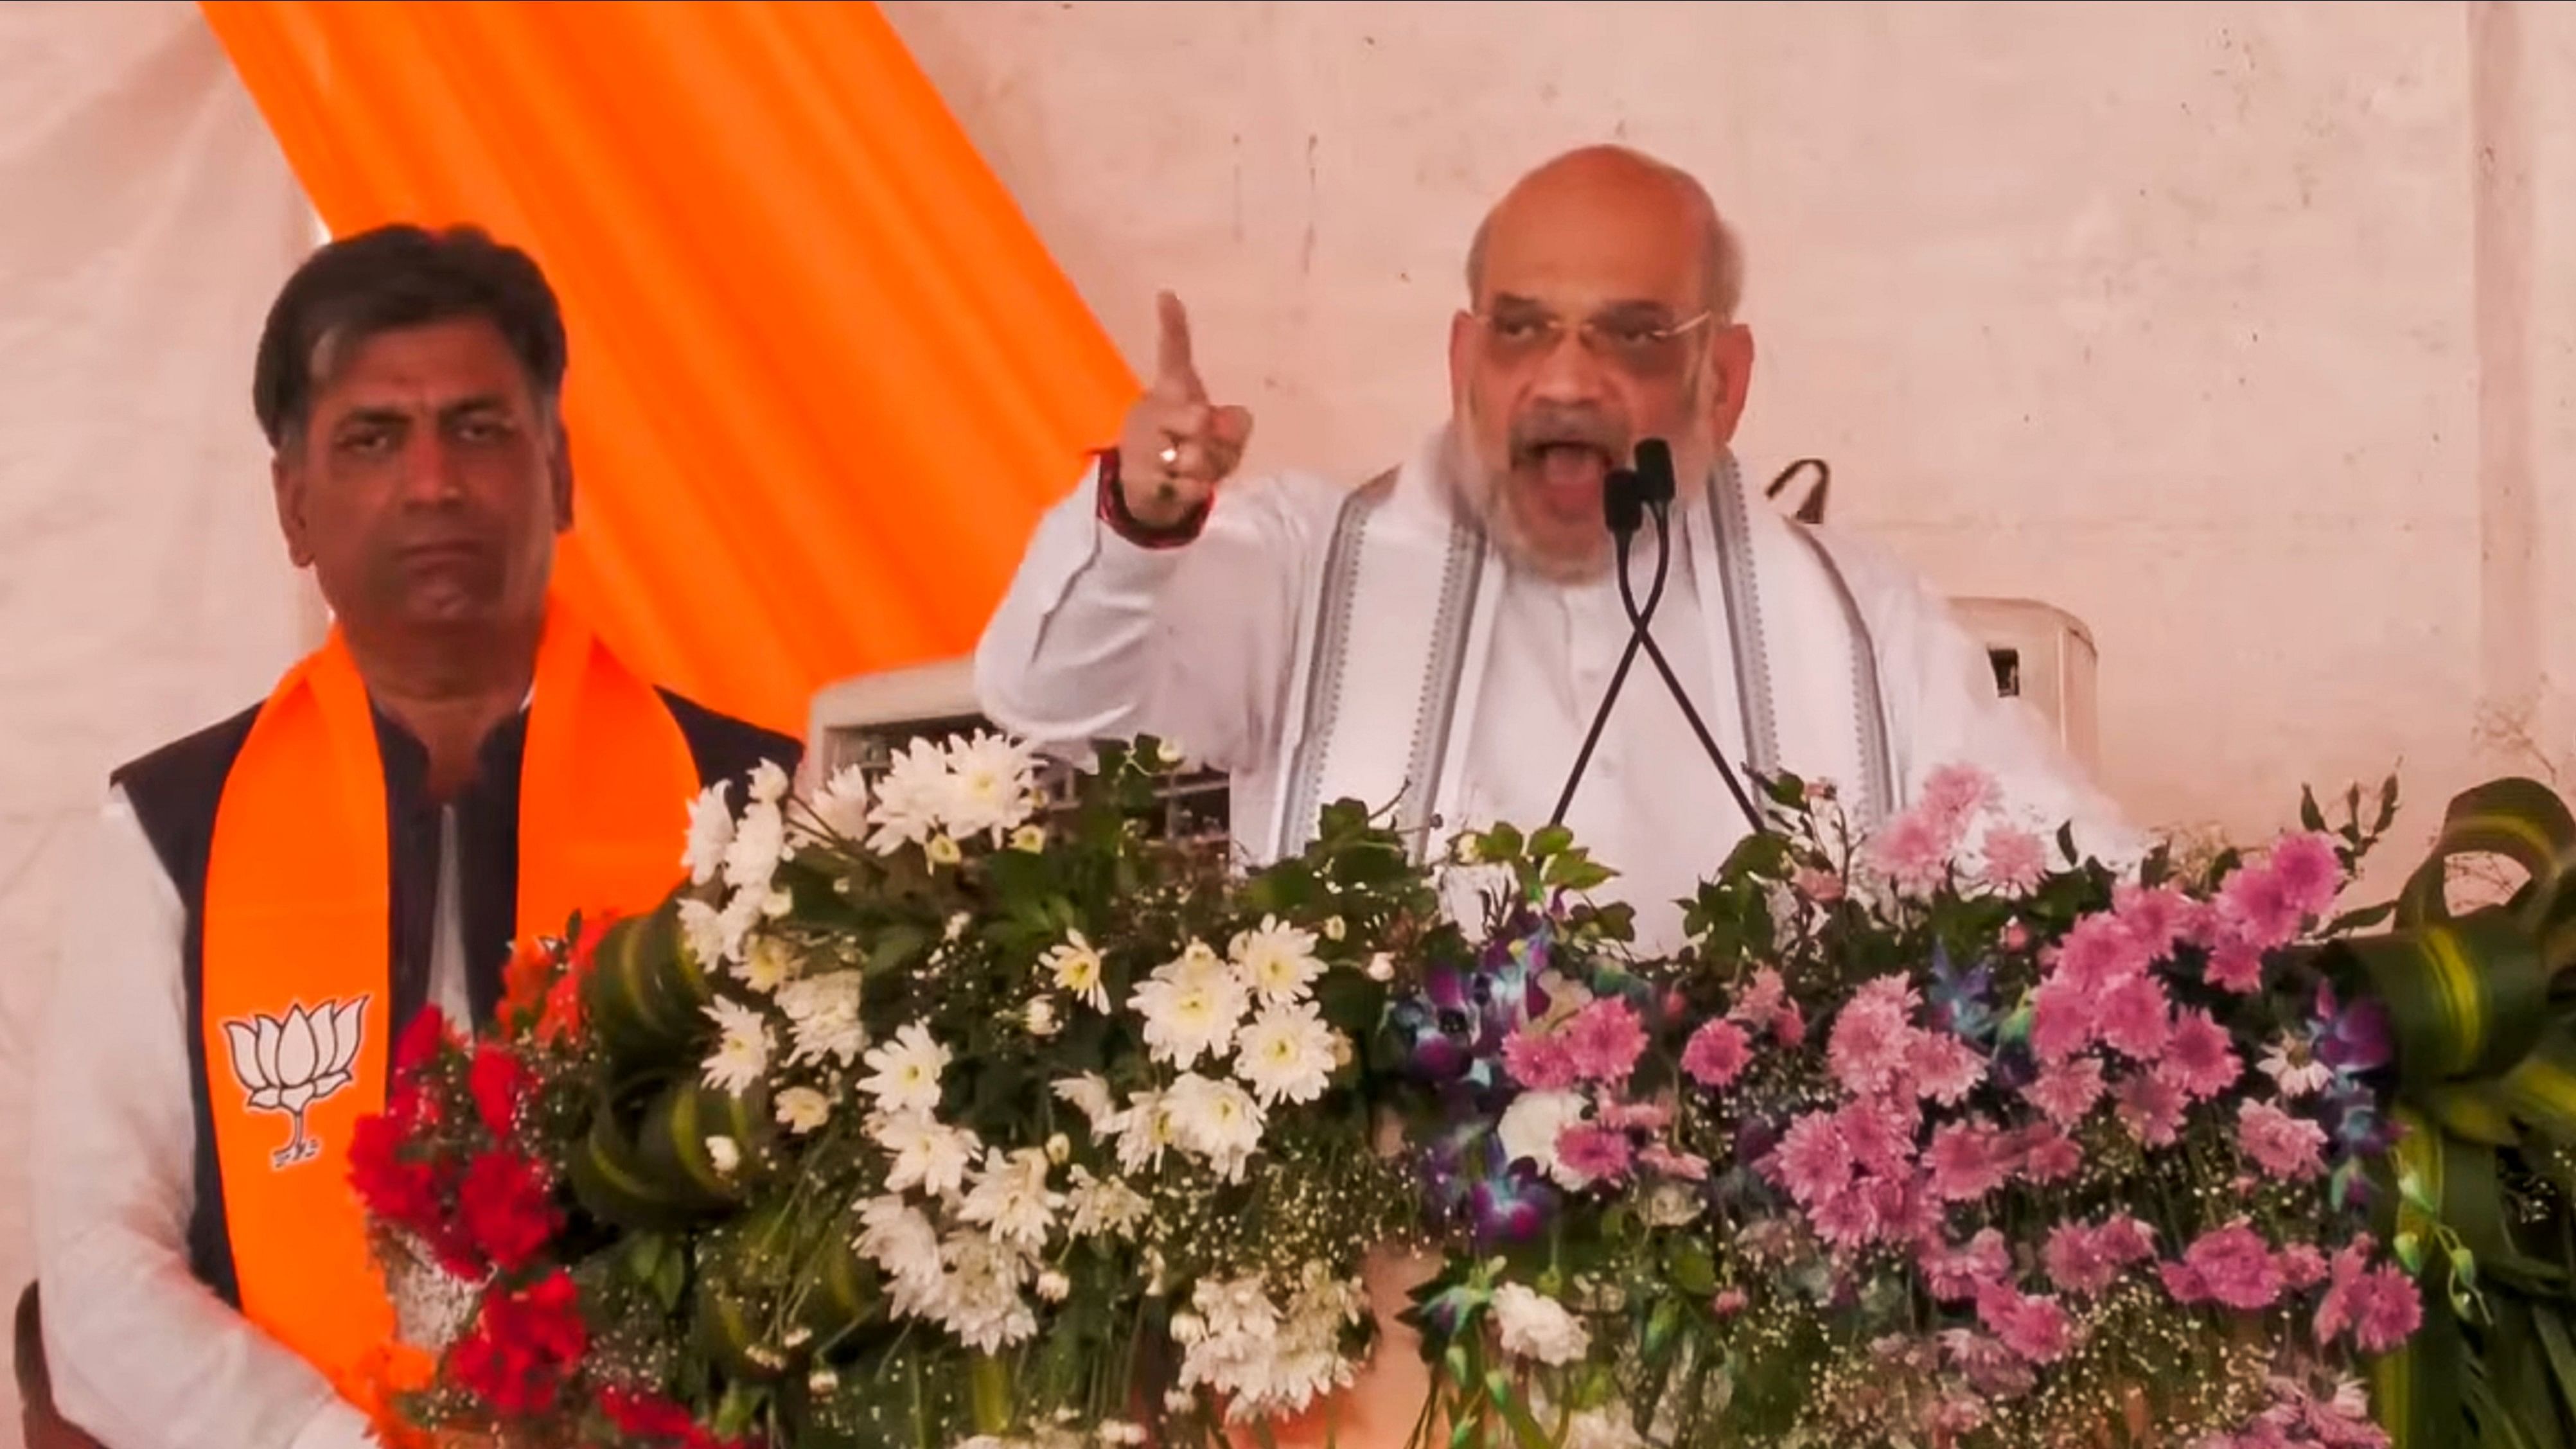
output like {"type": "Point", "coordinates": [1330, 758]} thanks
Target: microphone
{"type": "Point", "coordinates": [1629, 497]}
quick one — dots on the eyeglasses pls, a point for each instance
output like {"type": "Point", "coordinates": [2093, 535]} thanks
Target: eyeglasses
{"type": "Point", "coordinates": [1642, 344]}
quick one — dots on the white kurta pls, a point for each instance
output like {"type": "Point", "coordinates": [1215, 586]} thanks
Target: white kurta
{"type": "Point", "coordinates": [1210, 645]}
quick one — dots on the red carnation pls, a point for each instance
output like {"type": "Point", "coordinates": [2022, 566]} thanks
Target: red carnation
{"type": "Point", "coordinates": [507, 1209]}
{"type": "Point", "coordinates": [522, 1346]}
{"type": "Point", "coordinates": [421, 1042]}
{"type": "Point", "coordinates": [501, 1084]}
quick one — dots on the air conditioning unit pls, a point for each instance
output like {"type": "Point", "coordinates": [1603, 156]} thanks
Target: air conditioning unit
{"type": "Point", "coordinates": [2043, 655]}
{"type": "Point", "coordinates": [866, 720]}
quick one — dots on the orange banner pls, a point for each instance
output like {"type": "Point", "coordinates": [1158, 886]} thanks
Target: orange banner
{"type": "Point", "coordinates": [824, 376]}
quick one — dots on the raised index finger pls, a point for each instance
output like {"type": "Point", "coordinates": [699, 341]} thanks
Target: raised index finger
{"type": "Point", "coordinates": [1174, 371]}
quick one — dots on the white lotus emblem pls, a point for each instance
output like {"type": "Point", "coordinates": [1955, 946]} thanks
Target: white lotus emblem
{"type": "Point", "coordinates": [287, 1064]}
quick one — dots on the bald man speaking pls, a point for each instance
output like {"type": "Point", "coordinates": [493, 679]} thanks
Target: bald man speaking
{"type": "Point", "coordinates": [1438, 639]}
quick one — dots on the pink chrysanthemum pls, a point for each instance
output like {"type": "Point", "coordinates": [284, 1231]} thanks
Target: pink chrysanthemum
{"type": "Point", "coordinates": [1538, 1062]}
{"type": "Point", "coordinates": [2386, 1310]}
{"type": "Point", "coordinates": [1812, 1159]}
{"type": "Point", "coordinates": [2287, 1148]}
{"type": "Point", "coordinates": [2257, 903]}
{"type": "Point", "coordinates": [2154, 917]}
{"type": "Point", "coordinates": [2151, 1108]}
{"type": "Point", "coordinates": [1967, 1161]}
{"type": "Point", "coordinates": [1600, 1153]}
{"type": "Point", "coordinates": [2198, 1058]}
{"type": "Point", "coordinates": [1716, 1054]}
{"type": "Point", "coordinates": [1868, 1048]}
{"type": "Point", "coordinates": [1789, 1027]}
{"type": "Point", "coordinates": [2016, 861]}
{"type": "Point", "coordinates": [2074, 1261]}
{"type": "Point", "coordinates": [2099, 952]}
{"type": "Point", "coordinates": [1953, 793]}
{"type": "Point", "coordinates": [2066, 1089]}
{"type": "Point", "coordinates": [2302, 1266]}
{"type": "Point", "coordinates": [2048, 1155]}
{"type": "Point", "coordinates": [1945, 1069]}
{"type": "Point", "coordinates": [2133, 1018]}
{"type": "Point", "coordinates": [2309, 872]}
{"type": "Point", "coordinates": [1634, 1116]}
{"type": "Point", "coordinates": [1954, 1273]}
{"type": "Point", "coordinates": [2062, 1020]}
{"type": "Point", "coordinates": [1847, 1218]}
{"type": "Point", "coordinates": [1760, 1000]}
{"type": "Point", "coordinates": [1912, 851]}
{"type": "Point", "coordinates": [1879, 1132]}
{"type": "Point", "coordinates": [1664, 1162]}
{"type": "Point", "coordinates": [2234, 965]}
{"type": "Point", "coordinates": [2125, 1240]}
{"type": "Point", "coordinates": [1604, 1041]}
{"type": "Point", "coordinates": [2034, 1327]}
{"type": "Point", "coordinates": [2235, 1268]}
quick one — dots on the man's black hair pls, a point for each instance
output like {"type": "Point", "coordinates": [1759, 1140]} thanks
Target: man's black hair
{"type": "Point", "coordinates": [30, 1349]}
{"type": "Point", "coordinates": [393, 277]}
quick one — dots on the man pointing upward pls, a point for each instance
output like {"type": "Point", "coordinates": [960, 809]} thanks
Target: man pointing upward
{"type": "Point", "coordinates": [1438, 638]}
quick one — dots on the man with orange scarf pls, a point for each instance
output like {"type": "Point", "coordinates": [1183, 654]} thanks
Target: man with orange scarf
{"type": "Point", "coordinates": [275, 898]}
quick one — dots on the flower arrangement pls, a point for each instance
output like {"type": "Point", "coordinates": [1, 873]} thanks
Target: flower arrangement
{"type": "Point", "coordinates": [920, 1113]}
{"type": "Point", "coordinates": [927, 1112]}
{"type": "Point", "coordinates": [1926, 1140]}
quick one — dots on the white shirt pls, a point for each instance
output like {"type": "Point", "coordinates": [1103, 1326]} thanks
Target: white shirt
{"type": "Point", "coordinates": [143, 1355]}
{"type": "Point", "coordinates": [1100, 638]}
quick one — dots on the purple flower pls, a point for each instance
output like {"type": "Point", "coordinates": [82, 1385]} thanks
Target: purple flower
{"type": "Point", "coordinates": [2354, 1039]}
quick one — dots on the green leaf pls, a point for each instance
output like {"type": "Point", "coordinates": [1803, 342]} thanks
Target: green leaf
{"type": "Point", "coordinates": [1553, 840]}
{"type": "Point", "coordinates": [2310, 816]}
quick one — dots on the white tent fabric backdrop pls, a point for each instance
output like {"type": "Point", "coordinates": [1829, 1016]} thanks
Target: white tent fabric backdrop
{"type": "Point", "coordinates": [148, 220]}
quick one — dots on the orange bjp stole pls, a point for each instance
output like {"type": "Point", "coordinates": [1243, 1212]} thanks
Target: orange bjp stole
{"type": "Point", "coordinates": [297, 983]}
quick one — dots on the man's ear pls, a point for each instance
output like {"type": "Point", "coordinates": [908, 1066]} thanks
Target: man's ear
{"type": "Point", "coordinates": [559, 473]}
{"type": "Point", "coordinates": [286, 486]}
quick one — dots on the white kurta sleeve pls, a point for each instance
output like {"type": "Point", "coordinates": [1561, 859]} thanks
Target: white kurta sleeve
{"type": "Point", "coordinates": [142, 1354]}
{"type": "Point", "coordinates": [1098, 638]}
{"type": "Point", "coordinates": [1944, 709]}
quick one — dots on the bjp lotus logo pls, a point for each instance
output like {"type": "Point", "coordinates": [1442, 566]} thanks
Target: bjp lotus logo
{"type": "Point", "coordinates": [289, 1063]}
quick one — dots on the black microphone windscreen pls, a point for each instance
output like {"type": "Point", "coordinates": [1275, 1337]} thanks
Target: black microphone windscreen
{"type": "Point", "coordinates": [1655, 469]}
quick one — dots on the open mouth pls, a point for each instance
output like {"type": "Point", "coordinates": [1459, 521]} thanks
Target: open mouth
{"type": "Point", "coordinates": [1568, 474]}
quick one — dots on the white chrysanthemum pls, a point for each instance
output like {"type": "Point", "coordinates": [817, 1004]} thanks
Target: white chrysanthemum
{"type": "Point", "coordinates": [1266, 1361]}
{"type": "Point", "coordinates": [983, 1307]}
{"type": "Point", "coordinates": [912, 798]}
{"type": "Point", "coordinates": [993, 786]}
{"type": "Point", "coordinates": [1089, 1095]}
{"type": "Point", "coordinates": [1040, 1018]}
{"type": "Point", "coordinates": [927, 1154]}
{"type": "Point", "coordinates": [823, 1013]}
{"type": "Point", "coordinates": [1104, 1205]}
{"type": "Point", "coordinates": [768, 783]}
{"type": "Point", "coordinates": [767, 962]}
{"type": "Point", "coordinates": [802, 1109]}
{"type": "Point", "coordinates": [710, 831]}
{"type": "Point", "coordinates": [1534, 1326]}
{"type": "Point", "coordinates": [841, 806]}
{"type": "Point", "coordinates": [1144, 1129]}
{"type": "Point", "coordinates": [1531, 1126]}
{"type": "Point", "coordinates": [1198, 964]}
{"type": "Point", "coordinates": [901, 1241]}
{"type": "Point", "coordinates": [1286, 1054]}
{"type": "Point", "coordinates": [904, 1073]}
{"type": "Point", "coordinates": [1076, 970]}
{"type": "Point", "coordinates": [1189, 1014]}
{"type": "Point", "coordinates": [1215, 1120]}
{"type": "Point", "coordinates": [714, 936]}
{"type": "Point", "coordinates": [724, 1154]}
{"type": "Point", "coordinates": [1011, 1200]}
{"type": "Point", "coordinates": [742, 1048]}
{"type": "Point", "coordinates": [1277, 961]}
{"type": "Point", "coordinates": [759, 838]}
